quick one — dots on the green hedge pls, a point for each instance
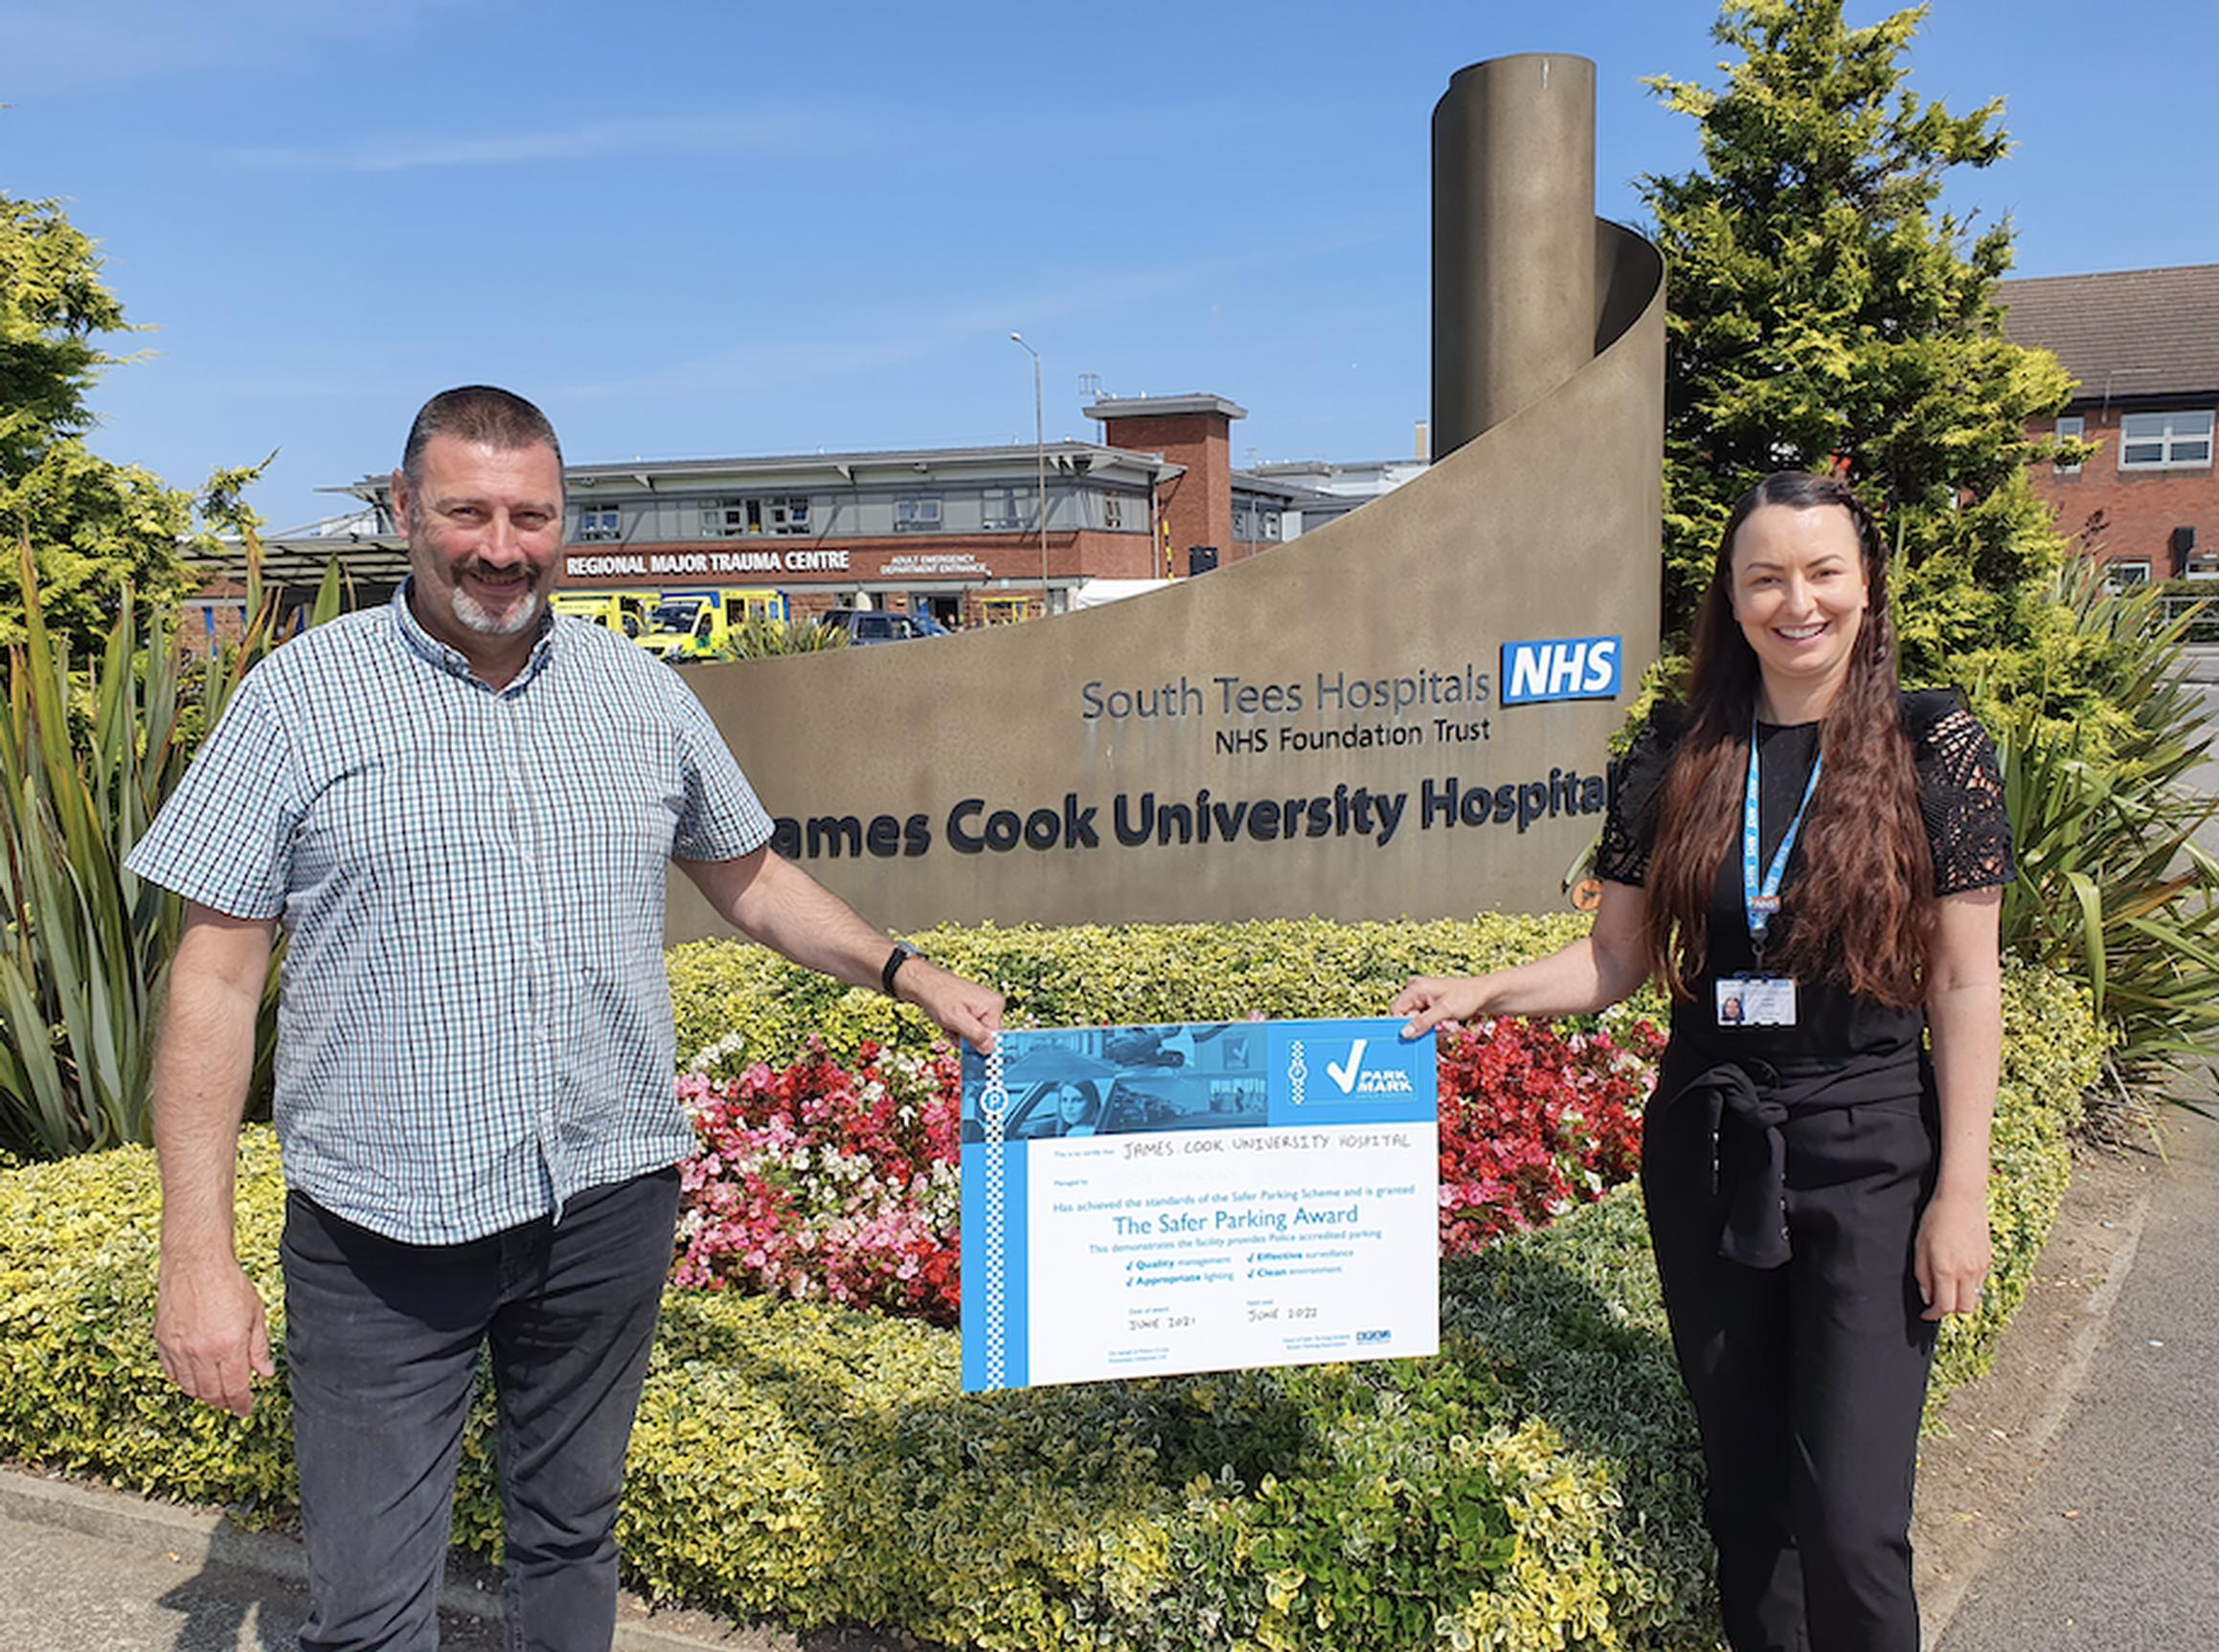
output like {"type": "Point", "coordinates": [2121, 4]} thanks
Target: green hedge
{"type": "Point", "coordinates": [738, 1001]}
{"type": "Point", "coordinates": [2053, 1058]}
{"type": "Point", "coordinates": [1533, 1487]}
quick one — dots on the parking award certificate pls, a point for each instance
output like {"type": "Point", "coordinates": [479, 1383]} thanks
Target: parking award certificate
{"type": "Point", "coordinates": [1145, 1200]}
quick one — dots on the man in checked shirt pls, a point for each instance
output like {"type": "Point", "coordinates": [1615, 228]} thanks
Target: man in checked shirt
{"type": "Point", "coordinates": [461, 808]}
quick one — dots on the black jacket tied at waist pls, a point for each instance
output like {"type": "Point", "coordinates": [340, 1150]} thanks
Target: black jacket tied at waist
{"type": "Point", "coordinates": [1747, 1101]}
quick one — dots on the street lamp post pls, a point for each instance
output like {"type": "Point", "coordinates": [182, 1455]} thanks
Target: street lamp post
{"type": "Point", "coordinates": [1039, 466]}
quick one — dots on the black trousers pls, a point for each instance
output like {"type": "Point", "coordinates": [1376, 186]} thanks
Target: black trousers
{"type": "Point", "coordinates": [382, 1342]}
{"type": "Point", "coordinates": [1807, 1378]}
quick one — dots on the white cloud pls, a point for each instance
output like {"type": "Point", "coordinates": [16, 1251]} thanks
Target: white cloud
{"type": "Point", "coordinates": [888, 337]}
{"type": "Point", "coordinates": [53, 49]}
{"type": "Point", "coordinates": [673, 134]}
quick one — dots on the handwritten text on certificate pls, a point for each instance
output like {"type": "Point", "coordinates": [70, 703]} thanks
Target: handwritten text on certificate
{"type": "Point", "coordinates": [1145, 1200]}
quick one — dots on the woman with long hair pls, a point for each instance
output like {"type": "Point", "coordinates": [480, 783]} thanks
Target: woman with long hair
{"type": "Point", "coordinates": [1078, 1109]}
{"type": "Point", "coordinates": [1810, 860]}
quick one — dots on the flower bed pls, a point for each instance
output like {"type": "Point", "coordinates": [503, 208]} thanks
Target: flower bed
{"type": "Point", "coordinates": [826, 1182]}
{"type": "Point", "coordinates": [1536, 1122]}
{"type": "Point", "coordinates": [839, 1183]}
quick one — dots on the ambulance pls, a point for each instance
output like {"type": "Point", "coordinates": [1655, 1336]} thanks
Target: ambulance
{"type": "Point", "coordinates": [621, 611]}
{"type": "Point", "coordinates": [696, 624]}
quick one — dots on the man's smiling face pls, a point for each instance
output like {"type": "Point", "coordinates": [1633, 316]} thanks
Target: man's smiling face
{"type": "Point", "coordinates": [484, 527]}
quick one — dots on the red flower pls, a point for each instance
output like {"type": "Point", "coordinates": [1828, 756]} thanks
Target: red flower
{"type": "Point", "coordinates": [1534, 1122]}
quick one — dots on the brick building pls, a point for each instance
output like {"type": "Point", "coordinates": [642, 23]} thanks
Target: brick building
{"type": "Point", "coordinates": [2145, 347]}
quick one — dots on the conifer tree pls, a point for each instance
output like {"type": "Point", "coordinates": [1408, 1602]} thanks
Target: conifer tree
{"type": "Point", "coordinates": [1827, 311]}
{"type": "Point", "coordinates": [93, 525]}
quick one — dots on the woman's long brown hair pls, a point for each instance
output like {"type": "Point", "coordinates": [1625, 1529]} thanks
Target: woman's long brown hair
{"type": "Point", "coordinates": [1859, 911]}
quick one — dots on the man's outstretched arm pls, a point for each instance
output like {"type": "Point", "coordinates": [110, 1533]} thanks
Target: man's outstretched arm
{"type": "Point", "coordinates": [768, 898]}
{"type": "Point", "coordinates": [208, 1321]}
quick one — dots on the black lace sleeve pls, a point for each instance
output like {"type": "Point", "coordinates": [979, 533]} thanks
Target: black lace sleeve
{"type": "Point", "coordinates": [1637, 781]}
{"type": "Point", "coordinates": [1960, 793]}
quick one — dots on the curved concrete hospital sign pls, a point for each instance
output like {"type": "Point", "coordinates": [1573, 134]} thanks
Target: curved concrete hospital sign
{"type": "Point", "coordinates": [1404, 712]}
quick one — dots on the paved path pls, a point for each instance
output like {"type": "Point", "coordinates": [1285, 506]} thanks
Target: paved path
{"type": "Point", "coordinates": [2205, 776]}
{"type": "Point", "coordinates": [2117, 1547]}
{"type": "Point", "coordinates": [67, 1592]}
{"type": "Point", "coordinates": [83, 1570]}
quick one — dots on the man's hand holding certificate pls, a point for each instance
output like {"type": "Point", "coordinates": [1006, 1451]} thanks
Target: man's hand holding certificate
{"type": "Point", "coordinates": [1146, 1200]}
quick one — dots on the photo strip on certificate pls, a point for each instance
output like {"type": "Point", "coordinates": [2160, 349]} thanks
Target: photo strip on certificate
{"type": "Point", "coordinates": [1198, 1196]}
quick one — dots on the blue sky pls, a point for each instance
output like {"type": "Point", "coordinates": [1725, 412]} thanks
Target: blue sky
{"type": "Point", "coordinates": [696, 229]}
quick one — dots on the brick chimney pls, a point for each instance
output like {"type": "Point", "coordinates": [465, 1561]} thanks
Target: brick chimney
{"type": "Point", "coordinates": [1191, 431]}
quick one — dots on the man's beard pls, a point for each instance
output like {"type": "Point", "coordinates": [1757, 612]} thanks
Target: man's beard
{"type": "Point", "coordinates": [521, 616]}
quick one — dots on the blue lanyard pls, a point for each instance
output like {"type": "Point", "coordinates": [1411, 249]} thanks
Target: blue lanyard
{"type": "Point", "coordinates": [1760, 902]}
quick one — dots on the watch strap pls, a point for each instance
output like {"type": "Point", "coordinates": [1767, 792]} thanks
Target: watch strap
{"type": "Point", "coordinates": [901, 954]}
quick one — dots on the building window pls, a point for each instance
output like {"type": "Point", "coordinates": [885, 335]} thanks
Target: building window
{"type": "Point", "coordinates": [2071, 428]}
{"type": "Point", "coordinates": [1253, 522]}
{"type": "Point", "coordinates": [916, 516]}
{"type": "Point", "coordinates": [1113, 510]}
{"type": "Point", "coordinates": [600, 522]}
{"type": "Point", "coordinates": [2118, 575]}
{"type": "Point", "coordinates": [1005, 610]}
{"type": "Point", "coordinates": [2165, 441]}
{"type": "Point", "coordinates": [736, 518]}
{"type": "Point", "coordinates": [1007, 506]}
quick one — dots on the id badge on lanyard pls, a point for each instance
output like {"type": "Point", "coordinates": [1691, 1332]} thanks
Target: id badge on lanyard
{"type": "Point", "coordinates": [1760, 998]}
{"type": "Point", "coordinates": [1757, 1000]}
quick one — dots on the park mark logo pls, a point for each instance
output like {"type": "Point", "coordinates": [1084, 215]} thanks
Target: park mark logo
{"type": "Point", "coordinates": [1353, 1079]}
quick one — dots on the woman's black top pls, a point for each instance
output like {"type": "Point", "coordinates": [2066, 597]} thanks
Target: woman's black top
{"type": "Point", "coordinates": [1844, 1050]}
{"type": "Point", "coordinates": [1960, 795]}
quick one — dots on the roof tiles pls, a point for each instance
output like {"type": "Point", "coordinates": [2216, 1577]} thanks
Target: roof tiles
{"type": "Point", "coordinates": [2125, 335]}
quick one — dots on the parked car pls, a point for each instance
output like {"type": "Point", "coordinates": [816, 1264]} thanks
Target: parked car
{"type": "Point", "coordinates": [868, 626]}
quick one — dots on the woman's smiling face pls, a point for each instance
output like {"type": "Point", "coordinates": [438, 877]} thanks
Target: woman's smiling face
{"type": "Point", "coordinates": [1799, 595]}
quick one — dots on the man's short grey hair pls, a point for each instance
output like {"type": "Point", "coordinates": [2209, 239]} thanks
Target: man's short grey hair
{"type": "Point", "coordinates": [477, 412]}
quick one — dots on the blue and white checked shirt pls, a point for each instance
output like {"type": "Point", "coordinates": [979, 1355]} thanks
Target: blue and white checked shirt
{"type": "Point", "coordinates": [475, 1023]}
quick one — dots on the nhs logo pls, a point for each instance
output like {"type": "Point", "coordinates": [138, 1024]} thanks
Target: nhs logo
{"type": "Point", "coordinates": [1561, 669]}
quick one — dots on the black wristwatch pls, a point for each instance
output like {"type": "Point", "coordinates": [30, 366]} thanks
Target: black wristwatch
{"type": "Point", "coordinates": [901, 954]}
